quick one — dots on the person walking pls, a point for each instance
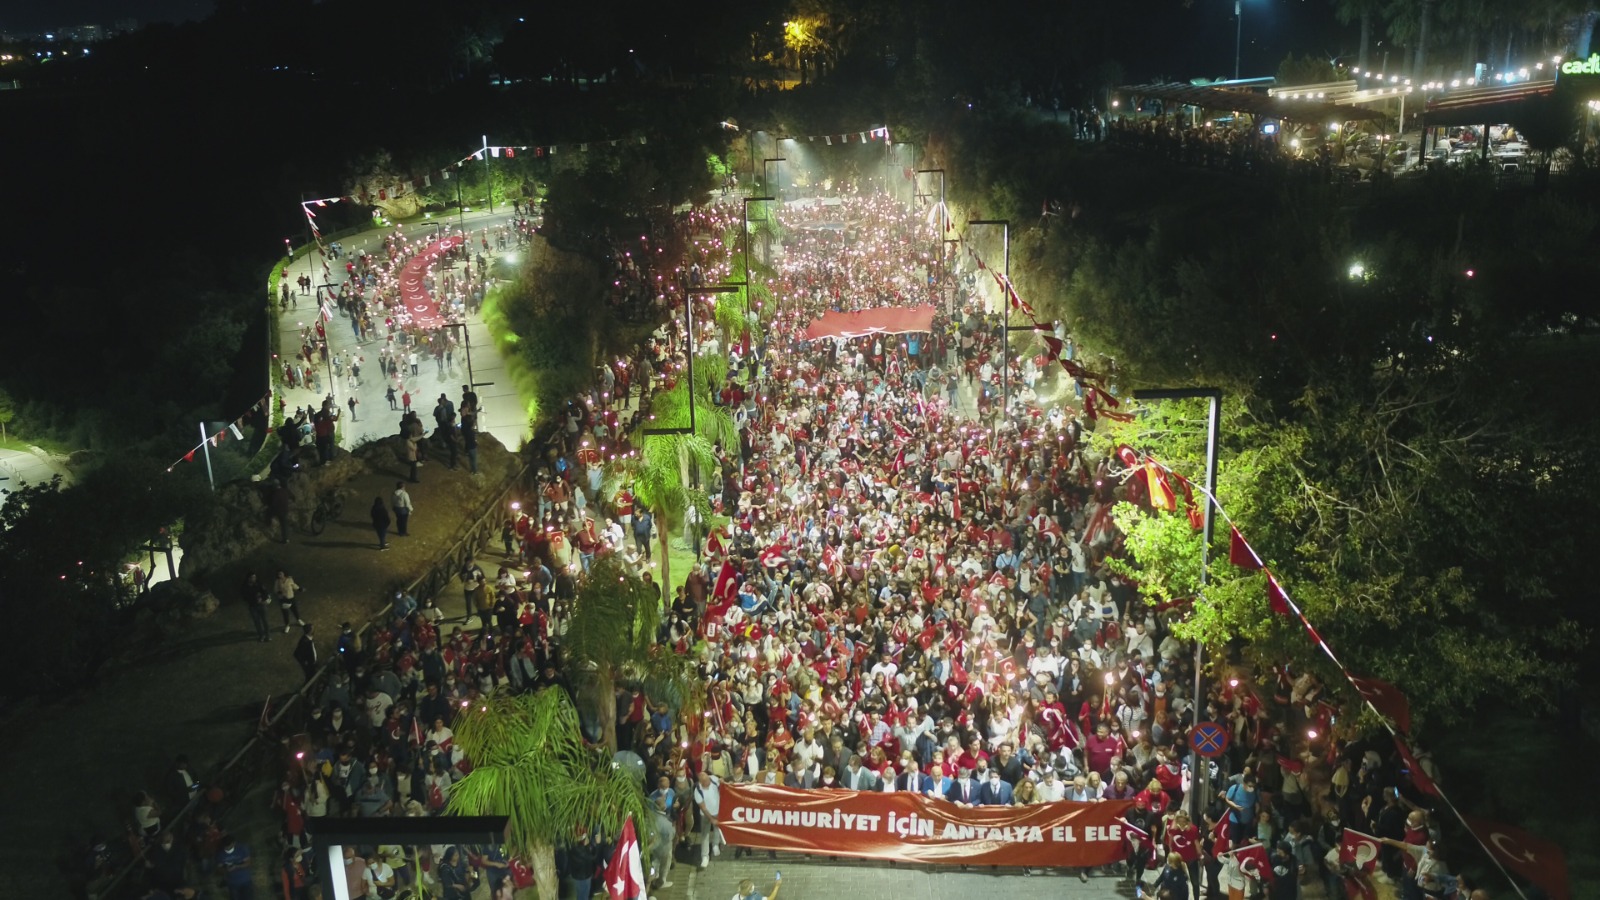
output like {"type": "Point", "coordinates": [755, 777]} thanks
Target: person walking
{"type": "Point", "coordinates": [353, 403]}
{"type": "Point", "coordinates": [401, 501]}
{"type": "Point", "coordinates": [284, 588]}
{"type": "Point", "coordinates": [642, 525]}
{"type": "Point", "coordinates": [389, 395]}
{"type": "Point", "coordinates": [380, 522]}
{"type": "Point", "coordinates": [305, 652]}
{"type": "Point", "coordinates": [256, 602]}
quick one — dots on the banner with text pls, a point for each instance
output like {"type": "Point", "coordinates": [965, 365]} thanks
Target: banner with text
{"type": "Point", "coordinates": [906, 827]}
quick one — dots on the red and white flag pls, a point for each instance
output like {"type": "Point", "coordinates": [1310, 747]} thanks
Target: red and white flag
{"type": "Point", "coordinates": [1253, 861]}
{"type": "Point", "coordinates": [1534, 858]}
{"type": "Point", "coordinates": [1359, 850]}
{"type": "Point", "coordinates": [625, 871]}
{"type": "Point", "coordinates": [1386, 699]}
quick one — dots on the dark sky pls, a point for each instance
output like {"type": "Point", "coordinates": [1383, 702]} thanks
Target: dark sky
{"type": "Point", "coordinates": [39, 15]}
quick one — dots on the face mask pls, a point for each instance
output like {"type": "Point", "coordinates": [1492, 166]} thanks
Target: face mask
{"type": "Point", "coordinates": [372, 770]}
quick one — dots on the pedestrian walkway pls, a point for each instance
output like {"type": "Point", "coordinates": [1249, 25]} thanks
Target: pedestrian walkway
{"type": "Point", "coordinates": [20, 468]}
{"type": "Point", "coordinates": [502, 410]}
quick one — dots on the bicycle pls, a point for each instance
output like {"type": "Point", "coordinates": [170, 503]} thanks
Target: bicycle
{"type": "Point", "coordinates": [329, 507]}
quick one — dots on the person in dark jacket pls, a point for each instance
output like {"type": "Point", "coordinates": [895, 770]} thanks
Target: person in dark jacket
{"type": "Point", "coordinates": [380, 522]}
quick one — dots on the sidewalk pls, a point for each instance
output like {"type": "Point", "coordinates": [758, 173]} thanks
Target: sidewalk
{"type": "Point", "coordinates": [503, 410]}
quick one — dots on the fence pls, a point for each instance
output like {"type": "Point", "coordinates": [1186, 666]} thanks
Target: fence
{"type": "Point", "coordinates": [260, 759]}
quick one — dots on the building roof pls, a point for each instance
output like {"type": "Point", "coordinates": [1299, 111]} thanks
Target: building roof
{"type": "Point", "coordinates": [1259, 105]}
{"type": "Point", "coordinates": [1487, 105]}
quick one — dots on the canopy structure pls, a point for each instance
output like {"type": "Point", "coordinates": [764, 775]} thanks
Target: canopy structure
{"type": "Point", "coordinates": [886, 320]}
{"type": "Point", "coordinates": [1510, 103]}
{"type": "Point", "coordinates": [1259, 105]}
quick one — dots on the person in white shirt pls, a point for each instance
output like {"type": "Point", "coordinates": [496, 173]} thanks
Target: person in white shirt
{"type": "Point", "coordinates": [1050, 788]}
{"type": "Point", "coordinates": [708, 799]}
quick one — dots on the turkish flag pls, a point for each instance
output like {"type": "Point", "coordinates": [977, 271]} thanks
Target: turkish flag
{"type": "Point", "coordinates": [1386, 699]}
{"type": "Point", "coordinates": [1240, 552]}
{"type": "Point", "coordinates": [1534, 858]}
{"type": "Point", "coordinates": [1418, 777]}
{"type": "Point", "coordinates": [727, 583]}
{"type": "Point", "coordinates": [1253, 861]}
{"type": "Point", "coordinates": [1219, 839]}
{"type": "Point", "coordinates": [1276, 598]}
{"type": "Point", "coordinates": [1291, 765]}
{"type": "Point", "coordinates": [1359, 850]}
{"type": "Point", "coordinates": [511, 153]}
{"type": "Point", "coordinates": [1359, 888]}
{"type": "Point", "coordinates": [625, 871]}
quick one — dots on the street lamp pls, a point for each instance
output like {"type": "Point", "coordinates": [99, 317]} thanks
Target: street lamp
{"type": "Point", "coordinates": [1005, 331]}
{"type": "Point", "coordinates": [1238, 34]}
{"type": "Point", "coordinates": [688, 350]}
{"type": "Point", "coordinates": [767, 184]}
{"type": "Point", "coordinates": [745, 223]}
{"type": "Point", "coordinates": [944, 224]}
{"type": "Point", "coordinates": [1202, 776]}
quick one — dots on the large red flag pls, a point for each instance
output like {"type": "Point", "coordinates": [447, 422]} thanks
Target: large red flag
{"type": "Point", "coordinates": [727, 586]}
{"type": "Point", "coordinates": [1418, 777]}
{"type": "Point", "coordinates": [1534, 858]}
{"type": "Point", "coordinates": [1240, 553]}
{"type": "Point", "coordinates": [1386, 699]}
{"type": "Point", "coordinates": [1253, 861]}
{"type": "Point", "coordinates": [625, 871]}
{"type": "Point", "coordinates": [1359, 850]}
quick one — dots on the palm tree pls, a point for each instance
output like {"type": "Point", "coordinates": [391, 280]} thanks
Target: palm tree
{"type": "Point", "coordinates": [1362, 11]}
{"type": "Point", "coordinates": [661, 476]}
{"type": "Point", "coordinates": [530, 763]}
{"type": "Point", "coordinates": [612, 637]}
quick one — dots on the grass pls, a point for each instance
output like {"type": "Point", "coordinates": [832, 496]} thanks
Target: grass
{"type": "Point", "coordinates": [25, 445]}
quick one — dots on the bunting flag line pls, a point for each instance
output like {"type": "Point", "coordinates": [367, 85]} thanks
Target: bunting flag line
{"type": "Point", "coordinates": [1509, 849]}
{"type": "Point", "coordinates": [236, 428]}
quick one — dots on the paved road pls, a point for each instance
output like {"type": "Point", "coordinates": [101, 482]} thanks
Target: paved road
{"type": "Point", "coordinates": [503, 409]}
{"type": "Point", "coordinates": [20, 468]}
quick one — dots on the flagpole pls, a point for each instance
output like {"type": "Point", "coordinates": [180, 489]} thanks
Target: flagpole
{"type": "Point", "coordinates": [205, 447]}
{"type": "Point", "coordinates": [488, 173]}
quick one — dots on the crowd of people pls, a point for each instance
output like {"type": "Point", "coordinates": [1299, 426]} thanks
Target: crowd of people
{"type": "Point", "coordinates": [900, 586]}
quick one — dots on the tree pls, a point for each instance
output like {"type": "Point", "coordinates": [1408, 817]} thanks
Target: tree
{"type": "Point", "coordinates": [1361, 11]}
{"type": "Point", "coordinates": [669, 467]}
{"type": "Point", "coordinates": [530, 763]}
{"type": "Point", "coordinates": [612, 638]}
{"type": "Point", "coordinates": [8, 411]}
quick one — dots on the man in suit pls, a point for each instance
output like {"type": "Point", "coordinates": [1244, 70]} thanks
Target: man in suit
{"type": "Point", "coordinates": [963, 792]}
{"type": "Point", "coordinates": [859, 778]}
{"type": "Point", "coordinates": [994, 792]}
{"type": "Point", "coordinates": [914, 780]}
{"type": "Point", "coordinates": [801, 775]}
{"type": "Point", "coordinates": [305, 652]}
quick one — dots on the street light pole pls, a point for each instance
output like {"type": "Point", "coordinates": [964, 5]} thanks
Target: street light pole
{"type": "Point", "coordinates": [1201, 776]}
{"type": "Point", "coordinates": [765, 183]}
{"type": "Point", "coordinates": [1238, 34]}
{"type": "Point", "coordinates": [745, 224]}
{"type": "Point", "coordinates": [943, 224]}
{"type": "Point", "coordinates": [688, 350]}
{"type": "Point", "coordinates": [1005, 331]}
{"type": "Point", "coordinates": [488, 174]}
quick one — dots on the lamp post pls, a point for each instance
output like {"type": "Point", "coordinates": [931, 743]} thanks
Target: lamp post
{"type": "Point", "coordinates": [1238, 34]}
{"type": "Point", "coordinates": [1201, 775]}
{"type": "Point", "coordinates": [688, 350]}
{"type": "Point", "coordinates": [943, 223]}
{"type": "Point", "coordinates": [488, 175]}
{"type": "Point", "coordinates": [745, 223]}
{"type": "Point", "coordinates": [1005, 331]}
{"type": "Point", "coordinates": [766, 184]}
{"type": "Point", "coordinates": [466, 341]}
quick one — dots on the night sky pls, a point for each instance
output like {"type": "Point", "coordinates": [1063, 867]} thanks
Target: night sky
{"type": "Point", "coordinates": [35, 15]}
{"type": "Point", "coordinates": [1180, 43]}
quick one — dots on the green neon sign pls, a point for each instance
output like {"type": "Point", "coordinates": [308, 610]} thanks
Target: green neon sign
{"type": "Point", "coordinates": [1590, 66]}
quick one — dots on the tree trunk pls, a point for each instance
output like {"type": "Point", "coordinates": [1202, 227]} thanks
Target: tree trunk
{"type": "Point", "coordinates": [543, 862]}
{"type": "Point", "coordinates": [1423, 22]}
{"type": "Point", "coordinates": [1584, 35]}
{"type": "Point", "coordinates": [605, 687]}
{"type": "Point", "coordinates": [1366, 38]}
{"type": "Point", "coordinates": [666, 562]}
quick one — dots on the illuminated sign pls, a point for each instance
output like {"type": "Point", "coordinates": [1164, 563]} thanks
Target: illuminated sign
{"type": "Point", "coordinates": [1590, 66]}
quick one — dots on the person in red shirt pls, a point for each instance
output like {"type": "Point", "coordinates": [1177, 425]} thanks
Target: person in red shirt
{"type": "Point", "coordinates": [1182, 837]}
{"type": "Point", "coordinates": [1100, 748]}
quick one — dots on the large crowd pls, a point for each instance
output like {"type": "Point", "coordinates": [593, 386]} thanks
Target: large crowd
{"type": "Point", "coordinates": [897, 588]}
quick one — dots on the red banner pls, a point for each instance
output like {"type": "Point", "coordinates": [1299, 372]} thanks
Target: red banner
{"type": "Point", "coordinates": [906, 827]}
